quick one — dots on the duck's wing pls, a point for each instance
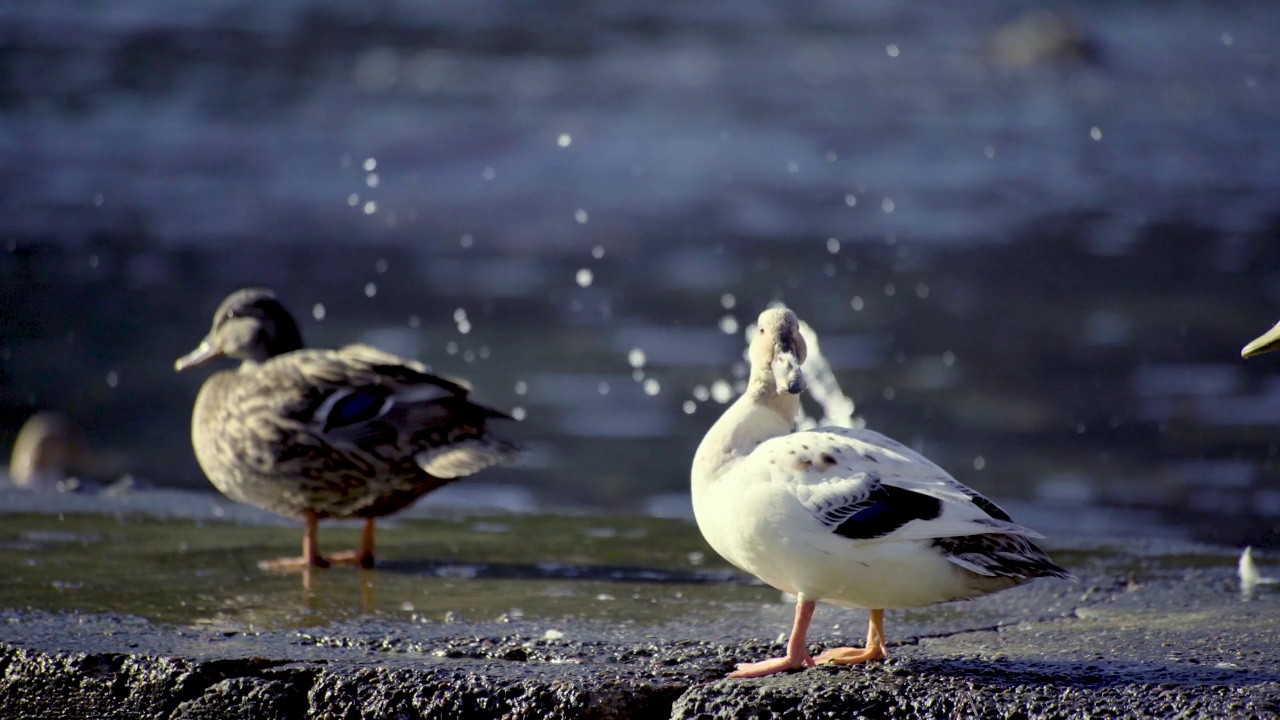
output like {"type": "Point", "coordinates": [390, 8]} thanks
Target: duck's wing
{"type": "Point", "coordinates": [360, 398]}
{"type": "Point", "coordinates": [864, 486]}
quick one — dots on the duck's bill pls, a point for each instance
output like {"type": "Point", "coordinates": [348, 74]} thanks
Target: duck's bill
{"type": "Point", "coordinates": [787, 374]}
{"type": "Point", "coordinates": [1266, 343]}
{"type": "Point", "coordinates": [203, 353]}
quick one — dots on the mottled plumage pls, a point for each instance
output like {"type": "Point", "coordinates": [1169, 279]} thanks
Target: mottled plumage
{"type": "Point", "coordinates": [354, 432]}
{"type": "Point", "coordinates": [845, 516]}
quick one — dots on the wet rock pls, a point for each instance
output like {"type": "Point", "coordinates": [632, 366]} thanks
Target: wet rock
{"type": "Point", "coordinates": [1155, 637]}
{"type": "Point", "coordinates": [245, 697]}
{"type": "Point", "coordinates": [963, 688]}
{"type": "Point", "coordinates": [85, 685]}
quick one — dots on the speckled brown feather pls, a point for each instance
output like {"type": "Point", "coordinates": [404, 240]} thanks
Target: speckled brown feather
{"type": "Point", "coordinates": [257, 436]}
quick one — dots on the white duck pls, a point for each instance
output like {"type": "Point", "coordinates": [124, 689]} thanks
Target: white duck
{"type": "Point", "coordinates": [1264, 343]}
{"type": "Point", "coordinates": [845, 516]}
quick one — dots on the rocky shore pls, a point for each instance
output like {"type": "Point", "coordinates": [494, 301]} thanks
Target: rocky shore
{"type": "Point", "coordinates": [1154, 636]}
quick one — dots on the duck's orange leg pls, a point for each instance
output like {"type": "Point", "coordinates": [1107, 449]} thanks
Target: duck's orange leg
{"type": "Point", "coordinates": [311, 556]}
{"type": "Point", "coordinates": [362, 557]}
{"type": "Point", "coordinates": [797, 656]}
{"type": "Point", "coordinates": [874, 650]}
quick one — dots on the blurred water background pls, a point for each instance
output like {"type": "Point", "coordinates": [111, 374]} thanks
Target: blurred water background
{"type": "Point", "coordinates": [1031, 242]}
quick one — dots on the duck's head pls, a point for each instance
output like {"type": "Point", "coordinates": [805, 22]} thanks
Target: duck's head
{"type": "Point", "coordinates": [249, 325]}
{"type": "Point", "coordinates": [777, 351]}
{"type": "Point", "coordinates": [1268, 341]}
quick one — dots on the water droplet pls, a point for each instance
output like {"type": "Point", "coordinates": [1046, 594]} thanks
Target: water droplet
{"type": "Point", "coordinates": [460, 315]}
{"type": "Point", "coordinates": [518, 412]}
{"type": "Point", "coordinates": [689, 407]}
{"type": "Point", "coordinates": [651, 387]}
{"type": "Point", "coordinates": [353, 199]}
{"type": "Point", "coordinates": [415, 321]}
{"type": "Point", "coordinates": [637, 374]}
{"type": "Point", "coordinates": [793, 167]}
{"type": "Point", "coordinates": [565, 140]}
{"type": "Point", "coordinates": [889, 289]}
{"type": "Point", "coordinates": [890, 393]}
{"type": "Point", "coordinates": [584, 277]}
{"type": "Point", "coordinates": [522, 387]}
{"type": "Point", "coordinates": [636, 358]}
{"type": "Point", "coordinates": [1095, 132]}
{"type": "Point", "coordinates": [979, 463]}
{"type": "Point", "coordinates": [489, 173]}
{"type": "Point", "coordinates": [1227, 39]}
{"type": "Point", "coordinates": [581, 216]}
{"type": "Point", "coordinates": [451, 347]}
{"type": "Point", "coordinates": [369, 164]}
{"type": "Point", "coordinates": [891, 50]}
{"type": "Point", "coordinates": [856, 303]}
{"type": "Point", "coordinates": [93, 261]}
{"type": "Point", "coordinates": [851, 200]}
{"type": "Point", "coordinates": [728, 324]}
{"type": "Point", "coordinates": [466, 240]}
{"type": "Point", "coordinates": [317, 311]}
{"type": "Point", "coordinates": [727, 301]}
{"type": "Point", "coordinates": [701, 393]}
{"type": "Point", "coordinates": [113, 379]}
{"type": "Point", "coordinates": [833, 245]}
{"type": "Point", "coordinates": [370, 207]}
{"type": "Point", "coordinates": [603, 388]}
{"type": "Point", "coordinates": [597, 252]}
{"type": "Point", "coordinates": [372, 180]}
{"type": "Point", "coordinates": [888, 205]}
{"type": "Point", "coordinates": [370, 289]}
{"type": "Point", "coordinates": [948, 358]}
{"type": "Point", "coordinates": [922, 290]}
{"type": "Point", "coordinates": [721, 391]}
{"type": "Point", "coordinates": [380, 266]}
{"type": "Point", "coordinates": [989, 151]}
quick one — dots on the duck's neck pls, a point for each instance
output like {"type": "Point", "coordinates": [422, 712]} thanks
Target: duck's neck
{"type": "Point", "coordinates": [760, 414]}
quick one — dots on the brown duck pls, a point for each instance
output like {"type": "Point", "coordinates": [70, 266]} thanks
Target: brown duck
{"type": "Point", "coordinates": [314, 434]}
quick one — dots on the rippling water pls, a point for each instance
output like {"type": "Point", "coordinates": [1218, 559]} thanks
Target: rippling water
{"type": "Point", "coordinates": [1031, 245]}
{"type": "Point", "coordinates": [560, 123]}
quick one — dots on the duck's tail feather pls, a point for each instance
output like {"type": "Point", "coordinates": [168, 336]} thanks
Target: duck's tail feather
{"type": "Point", "coordinates": [467, 457]}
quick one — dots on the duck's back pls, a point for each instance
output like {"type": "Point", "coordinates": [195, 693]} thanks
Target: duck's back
{"type": "Point", "coordinates": [338, 432]}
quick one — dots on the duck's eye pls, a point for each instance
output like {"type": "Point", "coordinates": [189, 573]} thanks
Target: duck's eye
{"type": "Point", "coordinates": [230, 314]}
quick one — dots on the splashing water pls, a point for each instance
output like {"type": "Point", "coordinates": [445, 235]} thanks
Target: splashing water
{"type": "Point", "coordinates": [1250, 576]}
{"type": "Point", "coordinates": [837, 408]}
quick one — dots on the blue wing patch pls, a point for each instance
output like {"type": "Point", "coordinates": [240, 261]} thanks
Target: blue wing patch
{"type": "Point", "coordinates": [885, 509]}
{"type": "Point", "coordinates": [359, 406]}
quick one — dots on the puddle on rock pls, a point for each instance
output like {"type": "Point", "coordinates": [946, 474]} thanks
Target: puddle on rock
{"type": "Point", "coordinates": [440, 570]}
